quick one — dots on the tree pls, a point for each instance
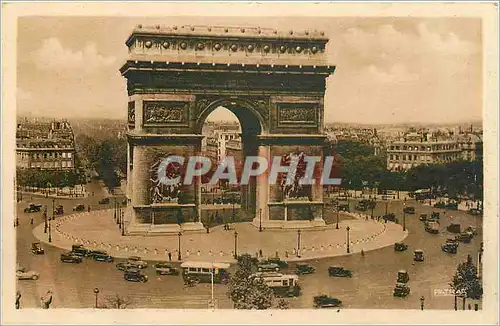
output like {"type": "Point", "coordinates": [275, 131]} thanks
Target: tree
{"type": "Point", "coordinates": [466, 280]}
{"type": "Point", "coordinates": [116, 302]}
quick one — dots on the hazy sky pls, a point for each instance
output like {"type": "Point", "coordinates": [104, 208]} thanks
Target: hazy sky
{"type": "Point", "coordinates": [389, 70]}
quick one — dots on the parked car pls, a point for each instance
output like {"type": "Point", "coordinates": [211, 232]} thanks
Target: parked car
{"type": "Point", "coordinates": [401, 290]}
{"type": "Point", "coordinates": [33, 208]}
{"type": "Point", "coordinates": [59, 210]}
{"type": "Point", "coordinates": [23, 274]}
{"type": "Point", "coordinates": [435, 215]}
{"type": "Point", "coordinates": [281, 263]}
{"type": "Point", "coordinates": [124, 266]}
{"type": "Point", "coordinates": [165, 269]}
{"type": "Point", "coordinates": [453, 241]}
{"type": "Point", "coordinates": [403, 276]}
{"type": "Point", "coordinates": [464, 237]}
{"type": "Point", "coordinates": [324, 301]}
{"type": "Point", "coordinates": [80, 250]}
{"type": "Point", "coordinates": [303, 268]}
{"type": "Point", "coordinates": [409, 210]}
{"type": "Point", "coordinates": [104, 201]}
{"type": "Point", "coordinates": [471, 230]}
{"type": "Point", "coordinates": [399, 246]}
{"type": "Point", "coordinates": [135, 275]}
{"type": "Point", "coordinates": [137, 262]}
{"type": "Point", "coordinates": [79, 208]}
{"type": "Point", "coordinates": [423, 217]}
{"type": "Point", "coordinates": [344, 208]}
{"type": "Point", "coordinates": [36, 248]}
{"type": "Point", "coordinates": [418, 255]}
{"type": "Point", "coordinates": [454, 228]}
{"type": "Point", "coordinates": [450, 248]}
{"type": "Point", "coordinates": [268, 267]}
{"type": "Point", "coordinates": [70, 257]}
{"type": "Point", "coordinates": [102, 256]}
{"type": "Point", "coordinates": [390, 217]}
{"type": "Point", "coordinates": [475, 212]}
{"type": "Point", "coordinates": [338, 271]}
{"type": "Point", "coordinates": [432, 227]}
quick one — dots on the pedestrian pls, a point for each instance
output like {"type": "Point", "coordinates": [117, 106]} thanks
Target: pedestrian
{"type": "Point", "coordinates": [47, 300]}
{"type": "Point", "coordinates": [89, 209]}
{"type": "Point", "coordinates": [169, 256]}
{"type": "Point", "coordinates": [17, 221]}
{"type": "Point", "coordinates": [18, 299]}
{"type": "Point", "coordinates": [31, 221]}
{"type": "Point", "coordinates": [286, 253]}
{"type": "Point", "coordinates": [208, 229]}
{"type": "Point", "coordinates": [277, 255]}
{"type": "Point", "coordinates": [362, 253]}
{"type": "Point", "coordinates": [260, 253]}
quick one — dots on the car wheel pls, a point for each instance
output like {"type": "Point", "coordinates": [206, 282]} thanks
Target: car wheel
{"type": "Point", "coordinates": [260, 269]}
{"type": "Point", "coordinates": [277, 269]}
{"type": "Point", "coordinates": [34, 277]}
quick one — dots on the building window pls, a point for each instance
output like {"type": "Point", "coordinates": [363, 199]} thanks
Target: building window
{"type": "Point", "coordinates": [69, 164]}
{"type": "Point", "coordinates": [69, 155]}
{"type": "Point", "coordinates": [63, 164]}
{"type": "Point", "coordinates": [397, 157]}
{"type": "Point", "coordinates": [64, 154]}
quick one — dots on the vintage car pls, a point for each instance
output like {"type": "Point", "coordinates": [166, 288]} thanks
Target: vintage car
{"type": "Point", "coordinates": [80, 250]}
{"type": "Point", "coordinates": [343, 208]}
{"type": "Point", "coordinates": [36, 248]}
{"type": "Point", "coordinates": [98, 255]}
{"type": "Point", "coordinates": [104, 201]}
{"type": "Point", "coordinates": [454, 228]}
{"type": "Point", "coordinates": [33, 208]}
{"type": "Point", "coordinates": [281, 263]}
{"type": "Point", "coordinates": [135, 275]}
{"type": "Point", "coordinates": [124, 266]}
{"type": "Point", "coordinates": [423, 217]}
{"type": "Point", "coordinates": [70, 257]}
{"type": "Point", "coordinates": [338, 271]}
{"type": "Point", "coordinates": [432, 227]}
{"type": "Point", "coordinates": [403, 276]}
{"type": "Point", "coordinates": [453, 241]}
{"type": "Point", "coordinates": [450, 248]}
{"type": "Point", "coordinates": [399, 246]}
{"type": "Point", "coordinates": [401, 290]}
{"type": "Point", "coordinates": [324, 301]}
{"type": "Point", "coordinates": [471, 230]}
{"type": "Point", "coordinates": [23, 274]}
{"type": "Point", "coordinates": [464, 237]}
{"type": "Point", "coordinates": [303, 268]}
{"type": "Point", "coordinates": [409, 210]}
{"type": "Point", "coordinates": [79, 208]}
{"type": "Point", "coordinates": [59, 210]}
{"type": "Point", "coordinates": [435, 215]}
{"type": "Point", "coordinates": [418, 255]}
{"type": "Point", "coordinates": [137, 262]}
{"type": "Point", "coordinates": [390, 217]}
{"type": "Point", "coordinates": [165, 269]}
{"type": "Point", "coordinates": [475, 212]}
{"type": "Point", "coordinates": [268, 267]}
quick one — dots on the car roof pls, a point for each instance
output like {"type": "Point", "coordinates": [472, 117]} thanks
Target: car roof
{"type": "Point", "coordinates": [201, 264]}
{"type": "Point", "coordinates": [401, 271]}
{"type": "Point", "coordinates": [133, 270]}
{"type": "Point", "coordinates": [418, 250]}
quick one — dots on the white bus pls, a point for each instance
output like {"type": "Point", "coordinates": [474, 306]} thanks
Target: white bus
{"type": "Point", "coordinates": [204, 271]}
{"type": "Point", "coordinates": [281, 284]}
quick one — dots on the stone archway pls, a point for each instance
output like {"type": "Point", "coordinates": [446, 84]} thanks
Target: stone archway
{"type": "Point", "coordinates": [274, 82]}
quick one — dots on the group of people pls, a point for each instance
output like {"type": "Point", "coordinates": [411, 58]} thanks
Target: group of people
{"type": "Point", "coordinates": [45, 300]}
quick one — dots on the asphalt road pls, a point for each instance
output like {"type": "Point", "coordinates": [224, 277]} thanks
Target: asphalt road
{"type": "Point", "coordinates": [374, 275]}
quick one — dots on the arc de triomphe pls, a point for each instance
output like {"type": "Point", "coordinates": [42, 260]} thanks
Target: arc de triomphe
{"type": "Point", "coordinates": [274, 82]}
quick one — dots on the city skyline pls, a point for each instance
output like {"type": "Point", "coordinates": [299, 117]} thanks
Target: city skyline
{"type": "Point", "coordinates": [404, 69]}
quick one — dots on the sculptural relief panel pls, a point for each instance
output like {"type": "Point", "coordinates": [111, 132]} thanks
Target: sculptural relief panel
{"type": "Point", "coordinates": [165, 113]}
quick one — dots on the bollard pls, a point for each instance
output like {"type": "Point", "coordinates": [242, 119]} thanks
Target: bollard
{"type": "Point", "coordinates": [198, 253]}
{"type": "Point", "coordinates": [221, 253]}
{"type": "Point", "coordinates": [156, 251]}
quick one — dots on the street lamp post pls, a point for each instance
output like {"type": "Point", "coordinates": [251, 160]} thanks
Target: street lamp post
{"type": "Point", "coordinates": [96, 292]}
{"type": "Point", "coordinates": [123, 223]}
{"type": "Point", "coordinates": [338, 214]}
{"type": "Point", "coordinates": [372, 210]}
{"type": "Point", "coordinates": [234, 211]}
{"type": "Point", "coordinates": [348, 241]}
{"type": "Point", "coordinates": [179, 256]}
{"type": "Point", "coordinates": [260, 219]}
{"type": "Point", "coordinates": [114, 209]}
{"type": "Point", "coordinates": [422, 300]}
{"type": "Point", "coordinates": [386, 205]}
{"type": "Point", "coordinates": [298, 243]}
{"type": "Point", "coordinates": [45, 219]}
{"type": "Point", "coordinates": [235, 244]}
{"type": "Point", "coordinates": [53, 203]}
{"type": "Point", "coordinates": [404, 216]}
{"type": "Point", "coordinates": [50, 232]}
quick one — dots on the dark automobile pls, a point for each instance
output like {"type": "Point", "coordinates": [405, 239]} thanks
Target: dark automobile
{"type": "Point", "coordinates": [390, 217]}
{"type": "Point", "coordinates": [165, 269]}
{"type": "Point", "coordinates": [59, 210]}
{"type": "Point", "coordinates": [450, 248]}
{"type": "Point", "coordinates": [104, 201]}
{"type": "Point", "coordinates": [268, 267]}
{"type": "Point", "coordinates": [403, 276]}
{"type": "Point", "coordinates": [344, 208]}
{"type": "Point", "coordinates": [399, 246]}
{"type": "Point", "coordinates": [69, 257]}
{"type": "Point", "coordinates": [409, 210]}
{"type": "Point", "coordinates": [423, 217]}
{"type": "Point", "coordinates": [324, 301]}
{"type": "Point", "coordinates": [464, 237]}
{"type": "Point", "coordinates": [418, 255]}
{"type": "Point", "coordinates": [453, 241]}
{"type": "Point", "coordinates": [135, 275]}
{"type": "Point", "coordinates": [102, 256]}
{"type": "Point", "coordinates": [137, 262]}
{"type": "Point", "coordinates": [454, 228]}
{"type": "Point", "coordinates": [124, 266]}
{"type": "Point", "coordinates": [36, 248]}
{"type": "Point", "coordinates": [80, 250]}
{"type": "Point", "coordinates": [303, 268]}
{"type": "Point", "coordinates": [79, 208]}
{"type": "Point", "coordinates": [338, 271]}
{"type": "Point", "coordinates": [475, 211]}
{"type": "Point", "coordinates": [281, 263]}
{"type": "Point", "coordinates": [401, 290]}
{"type": "Point", "coordinates": [33, 208]}
{"type": "Point", "coordinates": [435, 215]}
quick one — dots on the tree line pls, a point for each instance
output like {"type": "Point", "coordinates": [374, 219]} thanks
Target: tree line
{"type": "Point", "coordinates": [39, 178]}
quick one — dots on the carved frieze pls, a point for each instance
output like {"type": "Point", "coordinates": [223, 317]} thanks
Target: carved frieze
{"type": "Point", "coordinates": [131, 113]}
{"type": "Point", "coordinates": [165, 112]}
{"type": "Point", "coordinates": [297, 113]}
